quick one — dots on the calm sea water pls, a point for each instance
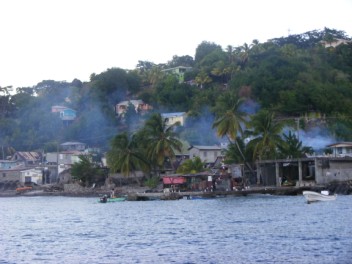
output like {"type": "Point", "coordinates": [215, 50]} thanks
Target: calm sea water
{"type": "Point", "coordinates": [252, 229]}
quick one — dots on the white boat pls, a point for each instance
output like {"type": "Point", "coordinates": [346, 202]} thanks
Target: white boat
{"type": "Point", "coordinates": [315, 196]}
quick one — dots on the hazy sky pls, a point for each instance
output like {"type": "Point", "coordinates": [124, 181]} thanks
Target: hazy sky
{"type": "Point", "coordinates": [66, 39]}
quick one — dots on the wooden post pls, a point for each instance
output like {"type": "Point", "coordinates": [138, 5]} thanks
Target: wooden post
{"type": "Point", "coordinates": [258, 173]}
{"type": "Point", "coordinates": [299, 173]}
{"type": "Point", "coordinates": [277, 173]}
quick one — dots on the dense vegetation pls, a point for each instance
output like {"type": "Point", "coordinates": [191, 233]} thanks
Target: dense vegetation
{"type": "Point", "coordinates": [271, 87]}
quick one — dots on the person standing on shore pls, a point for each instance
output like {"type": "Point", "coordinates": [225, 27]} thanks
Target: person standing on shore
{"type": "Point", "coordinates": [112, 194]}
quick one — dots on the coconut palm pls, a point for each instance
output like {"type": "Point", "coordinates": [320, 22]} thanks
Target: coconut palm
{"type": "Point", "coordinates": [230, 123]}
{"type": "Point", "coordinates": [266, 132]}
{"type": "Point", "coordinates": [160, 140]}
{"type": "Point", "coordinates": [125, 156]}
{"type": "Point", "coordinates": [202, 78]}
{"type": "Point", "coordinates": [292, 147]}
{"type": "Point", "coordinates": [230, 117]}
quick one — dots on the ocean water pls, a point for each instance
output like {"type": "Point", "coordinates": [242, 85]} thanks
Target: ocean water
{"type": "Point", "coordinates": [252, 229]}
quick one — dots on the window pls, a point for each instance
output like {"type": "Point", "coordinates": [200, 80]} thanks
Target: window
{"type": "Point", "coordinates": [3, 174]}
{"type": "Point", "coordinates": [205, 154]}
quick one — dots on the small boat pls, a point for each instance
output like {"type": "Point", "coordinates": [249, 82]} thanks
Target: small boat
{"type": "Point", "coordinates": [105, 199]}
{"type": "Point", "coordinates": [315, 196]}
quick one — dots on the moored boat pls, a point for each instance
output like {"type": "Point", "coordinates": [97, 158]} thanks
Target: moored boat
{"type": "Point", "coordinates": [315, 196]}
{"type": "Point", "coordinates": [105, 199]}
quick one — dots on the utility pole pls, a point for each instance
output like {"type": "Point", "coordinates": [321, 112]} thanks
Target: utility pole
{"type": "Point", "coordinates": [297, 120]}
{"type": "Point", "coordinates": [57, 161]}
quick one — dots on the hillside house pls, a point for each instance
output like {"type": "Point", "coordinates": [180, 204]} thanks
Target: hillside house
{"type": "Point", "coordinates": [73, 146]}
{"type": "Point", "coordinates": [179, 72]}
{"type": "Point", "coordinates": [207, 154]}
{"type": "Point", "coordinates": [65, 113]}
{"type": "Point", "coordinates": [335, 42]}
{"type": "Point", "coordinates": [172, 118]}
{"type": "Point", "coordinates": [139, 106]}
{"type": "Point", "coordinates": [342, 149]}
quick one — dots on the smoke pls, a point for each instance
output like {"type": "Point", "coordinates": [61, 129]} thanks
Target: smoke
{"type": "Point", "coordinates": [318, 138]}
{"type": "Point", "coordinates": [249, 107]}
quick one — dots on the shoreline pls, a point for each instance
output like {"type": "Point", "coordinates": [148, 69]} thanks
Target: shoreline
{"type": "Point", "coordinates": [135, 193]}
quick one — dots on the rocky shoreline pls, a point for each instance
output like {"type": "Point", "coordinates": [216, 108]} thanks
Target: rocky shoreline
{"type": "Point", "coordinates": [76, 190]}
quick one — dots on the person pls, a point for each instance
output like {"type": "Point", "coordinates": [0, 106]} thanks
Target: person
{"type": "Point", "coordinates": [112, 194]}
{"type": "Point", "coordinates": [104, 199]}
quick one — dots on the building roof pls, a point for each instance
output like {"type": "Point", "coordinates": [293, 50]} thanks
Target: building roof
{"type": "Point", "coordinates": [29, 156]}
{"type": "Point", "coordinates": [174, 180]}
{"type": "Point", "coordinates": [70, 143]}
{"type": "Point", "coordinates": [176, 114]}
{"type": "Point", "coordinates": [205, 147]}
{"type": "Point", "coordinates": [134, 102]}
{"type": "Point", "coordinates": [340, 145]}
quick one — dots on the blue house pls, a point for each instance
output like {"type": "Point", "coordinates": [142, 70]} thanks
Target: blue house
{"type": "Point", "coordinates": [68, 114]}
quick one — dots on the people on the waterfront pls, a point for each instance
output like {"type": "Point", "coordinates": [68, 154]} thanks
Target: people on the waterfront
{"type": "Point", "coordinates": [112, 194]}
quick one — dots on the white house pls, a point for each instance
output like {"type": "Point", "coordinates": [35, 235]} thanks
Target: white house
{"type": "Point", "coordinates": [31, 176]}
{"type": "Point", "coordinates": [207, 154]}
{"type": "Point", "coordinates": [341, 149]}
{"type": "Point", "coordinates": [172, 118]}
{"type": "Point", "coordinates": [139, 106]}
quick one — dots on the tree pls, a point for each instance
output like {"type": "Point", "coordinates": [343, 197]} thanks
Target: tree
{"type": "Point", "coordinates": [230, 123]}
{"type": "Point", "coordinates": [160, 140]}
{"type": "Point", "coordinates": [292, 147]}
{"type": "Point", "coordinates": [191, 166]}
{"type": "Point", "coordinates": [85, 171]}
{"type": "Point", "coordinates": [230, 117]}
{"type": "Point", "coordinates": [204, 49]}
{"type": "Point", "coordinates": [266, 132]}
{"type": "Point", "coordinates": [202, 79]}
{"type": "Point", "coordinates": [125, 155]}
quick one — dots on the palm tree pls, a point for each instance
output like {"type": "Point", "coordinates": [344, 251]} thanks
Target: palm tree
{"type": "Point", "coordinates": [160, 140]}
{"type": "Point", "coordinates": [230, 117]}
{"type": "Point", "coordinates": [266, 131]}
{"type": "Point", "coordinates": [125, 156]}
{"type": "Point", "coordinates": [230, 123]}
{"type": "Point", "coordinates": [293, 147]}
{"type": "Point", "coordinates": [202, 78]}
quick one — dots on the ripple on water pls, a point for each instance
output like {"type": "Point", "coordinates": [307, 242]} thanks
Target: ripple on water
{"type": "Point", "coordinates": [263, 229]}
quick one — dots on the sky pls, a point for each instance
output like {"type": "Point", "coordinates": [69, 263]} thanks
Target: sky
{"type": "Point", "coordinates": [66, 39]}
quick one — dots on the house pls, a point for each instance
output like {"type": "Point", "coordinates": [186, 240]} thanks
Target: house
{"type": "Point", "coordinates": [207, 154]}
{"type": "Point", "coordinates": [64, 157]}
{"type": "Point", "coordinates": [34, 175]}
{"type": "Point", "coordinates": [10, 176]}
{"type": "Point", "coordinates": [28, 158]}
{"type": "Point", "coordinates": [73, 146]}
{"type": "Point", "coordinates": [139, 106]}
{"type": "Point", "coordinates": [172, 118]}
{"type": "Point", "coordinates": [342, 149]}
{"type": "Point", "coordinates": [65, 113]}
{"type": "Point", "coordinates": [10, 164]}
{"type": "Point", "coordinates": [179, 72]}
{"type": "Point", "coordinates": [335, 42]}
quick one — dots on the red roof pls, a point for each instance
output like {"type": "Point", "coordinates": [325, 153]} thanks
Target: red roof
{"type": "Point", "coordinates": [174, 180]}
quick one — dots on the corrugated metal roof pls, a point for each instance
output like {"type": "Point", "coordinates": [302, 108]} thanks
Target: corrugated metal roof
{"type": "Point", "coordinates": [29, 156]}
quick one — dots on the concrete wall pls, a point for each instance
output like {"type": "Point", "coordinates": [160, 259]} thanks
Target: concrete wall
{"type": "Point", "coordinates": [329, 170]}
{"type": "Point", "coordinates": [10, 175]}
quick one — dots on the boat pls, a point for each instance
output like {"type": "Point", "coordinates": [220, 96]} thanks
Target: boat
{"type": "Point", "coordinates": [315, 196]}
{"type": "Point", "coordinates": [105, 199]}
